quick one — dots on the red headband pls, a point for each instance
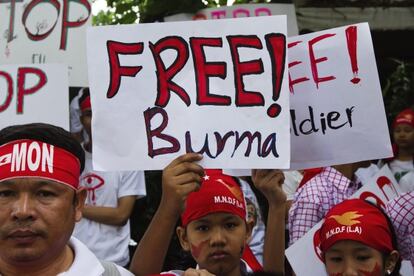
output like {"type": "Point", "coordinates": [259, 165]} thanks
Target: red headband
{"type": "Point", "coordinates": [218, 193]}
{"type": "Point", "coordinates": [356, 220]}
{"type": "Point", "coordinates": [404, 117]}
{"type": "Point", "coordinates": [86, 103]}
{"type": "Point", "coordinates": [28, 158]}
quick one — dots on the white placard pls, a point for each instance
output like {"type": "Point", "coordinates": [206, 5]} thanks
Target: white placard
{"type": "Point", "coordinates": [337, 111]}
{"type": "Point", "coordinates": [46, 32]}
{"type": "Point", "coordinates": [34, 93]}
{"type": "Point", "coordinates": [244, 10]}
{"type": "Point", "coordinates": [160, 90]}
{"type": "Point", "coordinates": [305, 256]}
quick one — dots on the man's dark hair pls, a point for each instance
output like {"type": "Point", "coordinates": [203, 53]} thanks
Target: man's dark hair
{"type": "Point", "coordinates": [46, 133]}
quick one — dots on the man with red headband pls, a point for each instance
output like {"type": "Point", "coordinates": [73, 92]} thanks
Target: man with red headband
{"type": "Point", "coordinates": [401, 212]}
{"type": "Point", "coordinates": [357, 239]}
{"type": "Point", "coordinates": [110, 200]}
{"type": "Point", "coordinates": [41, 201]}
{"type": "Point", "coordinates": [213, 220]}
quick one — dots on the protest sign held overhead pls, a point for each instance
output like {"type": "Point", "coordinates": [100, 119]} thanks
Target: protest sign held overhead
{"type": "Point", "coordinates": [244, 10]}
{"type": "Point", "coordinates": [337, 111]}
{"type": "Point", "coordinates": [46, 32]}
{"type": "Point", "coordinates": [159, 90]}
{"type": "Point", "coordinates": [34, 93]}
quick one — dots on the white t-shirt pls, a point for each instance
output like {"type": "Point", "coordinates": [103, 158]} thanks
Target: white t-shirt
{"type": "Point", "coordinates": [292, 180]}
{"type": "Point", "coordinates": [258, 232]}
{"type": "Point", "coordinates": [108, 242]}
{"type": "Point", "coordinates": [407, 182]}
{"type": "Point", "coordinates": [400, 168]}
{"type": "Point", "coordinates": [86, 263]}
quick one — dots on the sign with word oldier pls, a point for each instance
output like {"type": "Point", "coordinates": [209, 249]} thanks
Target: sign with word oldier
{"type": "Point", "coordinates": [244, 10]}
{"type": "Point", "coordinates": [305, 256]}
{"type": "Point", "coordinates": [34, 94]}
{"type": "Point", "coordinates": [337, 111]}
{"type": "Point", "coordinates": [164, 89]}
{"type": "Point", "coordinates": [46, 32]}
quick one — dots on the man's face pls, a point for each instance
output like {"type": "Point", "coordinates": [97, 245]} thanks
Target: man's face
{"type": "Point", "coordinates": [216, 242]}
{"type": "Point", "coordinates": [37, 218]}
{"type": "Point", "coordinates": [86, 120]}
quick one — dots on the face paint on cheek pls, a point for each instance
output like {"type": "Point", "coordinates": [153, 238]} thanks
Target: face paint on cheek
{"type": "Point", "coordinates": [376, 271]}
{"type": "Point", "coordinates": [196, 249]}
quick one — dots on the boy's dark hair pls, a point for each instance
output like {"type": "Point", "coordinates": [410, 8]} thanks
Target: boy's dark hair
{"type": "Point", "coordinates": [46, 133]}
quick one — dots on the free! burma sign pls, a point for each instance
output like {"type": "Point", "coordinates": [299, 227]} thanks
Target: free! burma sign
{"type": "Point", "coordinates": [159, 90]}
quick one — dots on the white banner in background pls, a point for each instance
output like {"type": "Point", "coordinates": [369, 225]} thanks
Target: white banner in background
{"type": "Point", "coordinates": [46, 32]}
{"type": "Point", "coordinates": [337, 111]}
{"type": "Point", "coordinates": [160, 90]}
{"type": "Point", "coordinates": [244, 10]}
{"type": "Point", "coordinates": [34, 93]}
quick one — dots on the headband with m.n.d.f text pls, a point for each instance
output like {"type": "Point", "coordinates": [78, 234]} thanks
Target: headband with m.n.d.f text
{"type": "Point", "coordinates": [30, 158]}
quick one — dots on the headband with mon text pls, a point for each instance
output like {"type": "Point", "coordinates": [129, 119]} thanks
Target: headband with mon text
{"type": "Point", "coordinates": [29, 158]}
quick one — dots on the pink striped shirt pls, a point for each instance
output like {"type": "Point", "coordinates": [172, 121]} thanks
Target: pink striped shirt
{"type": "Point", "coordinates": [401, 212]}
{"type": "Point", "coordinates": [314, 199]}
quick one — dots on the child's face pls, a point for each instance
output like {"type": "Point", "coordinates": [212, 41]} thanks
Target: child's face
{"type": "Point", "coordinates": [404, 135]}
{"type": "Point", "coordinates": [216, 242]}
{"type": "Point", "coordinates": [349, 257]}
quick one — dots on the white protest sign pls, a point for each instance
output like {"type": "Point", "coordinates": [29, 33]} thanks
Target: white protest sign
{"type": "Point", "coordinates": [34, 93]}
{"type": "Point", "coordinates": [305, 256]}
{"type": "Point", "coordinates": [46, 32]}
{"type": "Point", "coordinates": [244, 10]}
{"type": "Point", "coordinates": [337, 111]}
{"type": "Point", "coordinates": [160, 90]}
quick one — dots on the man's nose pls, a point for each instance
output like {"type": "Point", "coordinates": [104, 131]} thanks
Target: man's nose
{"type": "Point", "coordinates": [23, 207]}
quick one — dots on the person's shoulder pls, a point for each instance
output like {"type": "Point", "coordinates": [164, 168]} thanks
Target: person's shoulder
{"type": "Point", "coordinates": [123, 271]}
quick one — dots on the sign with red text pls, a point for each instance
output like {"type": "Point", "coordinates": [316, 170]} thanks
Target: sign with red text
{"type": "Point", "coordinates": [164, 89]}
{"type": "Point", "coordinates": [34, 93]}
{"type": "Point", "coordinates": [337, 111]}
{"type": "Point", "coordinates": [244, 10]}
{"type": "Point", "coordinates": [305, 256]}
{"type": "Point", "coordinates": [34, 31]}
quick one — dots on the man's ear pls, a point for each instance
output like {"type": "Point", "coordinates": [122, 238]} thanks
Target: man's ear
{"type": "Point", "coordinates": [391, 261]}
{"type": "Point", "coordinates": [182, 236]}
{"type": "Point", "coordinates": [80, 197]}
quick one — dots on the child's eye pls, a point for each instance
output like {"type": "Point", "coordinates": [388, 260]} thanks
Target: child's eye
{"type": "Point", "coordinates": [231, 225]}
{"type": "Point", "coordinates": [202, 228]}
{"type": "Point", "coordinates": [335, 259]}
{"type": "Point", "coordinates": [363, 258]}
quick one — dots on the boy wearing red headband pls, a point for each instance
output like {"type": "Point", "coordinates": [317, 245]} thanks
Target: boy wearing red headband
{"type": "Point", "coordinates": [403, 134]}
{"type": "Point", "coordinates": [357, 238]}
{"type": "Point", "coordinates": [41, 201]}
{"type": "Point", "coordinates": [110, 200]}
{"type": "Point", "coordinates": [213, 216]}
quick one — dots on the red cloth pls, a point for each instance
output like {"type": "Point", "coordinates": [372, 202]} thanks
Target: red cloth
{"type": "Point", "coordinates": [30, 158]}
{"type": "Point", "coordinates": [218, 193]}
{"type": "Point", "coordinates": [251, 260]}
{"type": "Point", "coordinates": [357, 220]}
{"type": "Point", "coordinates": [308, 174]}
{"type": "Point", "coordinates": [404, 117]}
